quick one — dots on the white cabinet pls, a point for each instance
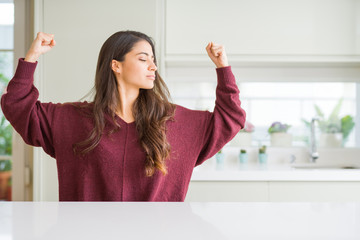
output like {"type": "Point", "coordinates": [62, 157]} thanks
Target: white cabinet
{"type": "Point", "coordinates": [273, 191]}
{"type": "Point", "coordinates": [226, 191]}
{"type": "Point", "coordinates": [261, 29]}
{"type": "Point", "coordinates": [314, 191]}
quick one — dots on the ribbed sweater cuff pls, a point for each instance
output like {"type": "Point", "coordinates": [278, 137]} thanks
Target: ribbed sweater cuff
{"type": "Point", "coordinates": [225, 74]}
{"type": "Point", "coordinates": [25, 69]}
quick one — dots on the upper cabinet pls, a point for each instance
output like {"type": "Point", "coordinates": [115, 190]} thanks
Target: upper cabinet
{"type": "Point", "coordinates": [262, 30]}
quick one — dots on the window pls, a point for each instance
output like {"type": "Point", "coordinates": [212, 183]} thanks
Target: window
{"type": "Point", "coordinates": [291, 103]}
{"type": "Point", "coordinates": [6, 72]}
{"type": "Point", "coordinates": [267, 102]}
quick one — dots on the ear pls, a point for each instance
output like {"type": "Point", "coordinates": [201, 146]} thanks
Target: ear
{"type": "Point", "coordinates": [116, 66]}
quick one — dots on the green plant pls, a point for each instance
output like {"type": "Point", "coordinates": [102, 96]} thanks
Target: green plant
{"type": "Point", "coordinates": [262, 149]}
{"type": "Point", "coordinates": [5, 165]}
{"type": "Point", "coordinates": [347, 124]}
{"type": "Point", "coordinates": [249, 127]}
{"type": "Point", "coordinates": [333, 124]}
{"type": "Point", "coordinates": [5, 137]}
{"type": "Point", "coordinates": [278, 127]}
{"type": "Point", "coordinates": [242, 151]}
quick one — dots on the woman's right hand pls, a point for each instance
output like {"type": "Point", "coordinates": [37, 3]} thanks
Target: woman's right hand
{"type": "Point", "coordinates": [43, 43]}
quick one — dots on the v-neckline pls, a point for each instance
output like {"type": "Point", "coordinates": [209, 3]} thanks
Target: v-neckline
{"type": "Point", "coordinates": [122, 120]}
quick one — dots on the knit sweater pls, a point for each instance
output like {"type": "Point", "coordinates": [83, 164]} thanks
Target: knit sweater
{"type": "Point", "coordinates": [115, 169]}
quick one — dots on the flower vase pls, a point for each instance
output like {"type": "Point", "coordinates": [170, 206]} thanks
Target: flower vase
{"type": "Point", "coordinates": [242, 139]}
{"type": "Point", "coordinates": [330, 140]}
{"type": "Point", "coordinates": [220, 161]}
{"type": "Point", "coordinates": [243, 157]}
{"type": "Point", "coordinates": [281, 139]}
{"type": "Point", "coordinates": [262, 158]}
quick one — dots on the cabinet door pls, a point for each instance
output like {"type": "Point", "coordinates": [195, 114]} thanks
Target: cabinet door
{"type": "Point", "coordinates": [263, 27]}
{"type": "Point", "coordinates": [227, 191]}
{"type": "Point", "coordinates": [314, 191]}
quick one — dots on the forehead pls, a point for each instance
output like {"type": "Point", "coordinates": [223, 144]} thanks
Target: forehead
{"type": "Point", "coordinates": [142, 48]}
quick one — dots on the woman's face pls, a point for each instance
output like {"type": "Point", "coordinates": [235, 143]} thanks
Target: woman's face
{"type": "Point", "coordinates": [138, 68]}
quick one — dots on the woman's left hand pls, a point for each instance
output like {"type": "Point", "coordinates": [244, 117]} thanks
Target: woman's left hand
{"type": "Point", "coordinates": [217, 54]}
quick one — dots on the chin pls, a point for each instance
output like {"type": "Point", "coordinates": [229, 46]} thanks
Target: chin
{"type": "Point", "coordinates": [148, 87]}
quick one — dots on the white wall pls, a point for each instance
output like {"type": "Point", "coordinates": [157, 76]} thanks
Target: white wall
{"type": "Point", "coordinates": [66, 73]}
{"type": "Point", "coordinates": [80, 27]}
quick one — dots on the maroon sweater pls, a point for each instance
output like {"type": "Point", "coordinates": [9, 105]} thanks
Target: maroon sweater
{"type": "Point", "coordinates": [115, 169]}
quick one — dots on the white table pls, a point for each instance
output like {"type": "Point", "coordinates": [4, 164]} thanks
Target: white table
{"type": "Point", "coordinates": [172, 221]}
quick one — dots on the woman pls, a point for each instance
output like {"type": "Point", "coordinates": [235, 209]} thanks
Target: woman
{"type": "Point", "coordinates": [130, 143]}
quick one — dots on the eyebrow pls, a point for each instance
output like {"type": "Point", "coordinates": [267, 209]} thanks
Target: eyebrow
{"type": "Point", "coordinates": [145, 54]}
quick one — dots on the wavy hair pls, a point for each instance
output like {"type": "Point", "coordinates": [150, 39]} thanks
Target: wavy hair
{"type": "Point", "coordinates": [151, 109]}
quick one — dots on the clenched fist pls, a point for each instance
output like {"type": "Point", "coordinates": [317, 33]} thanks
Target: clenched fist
{"type": "Point", "coordinates": [43, 43]}
{"type": "Point", "coordinates": [217, 54]}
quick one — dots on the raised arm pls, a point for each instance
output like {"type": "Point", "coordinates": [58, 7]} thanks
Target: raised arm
{"type": "Point", "coordinates": [43, 43]}
{"type": "Point", "coordinates": [228, 117]}
{"type": "Point", "coordinates": [20, 105]}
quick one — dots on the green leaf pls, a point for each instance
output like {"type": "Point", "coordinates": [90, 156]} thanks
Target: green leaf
{"type": "Point", "coordinates": [318, 111]}
{"type": "Point", "coordinates": [5, 165]}
{"type": "Point", "coordinates": [334, 116]}
{"type": "Point", "coordinates": [347, 124]}
{"type": "Point", "coordinates": [307, 123]}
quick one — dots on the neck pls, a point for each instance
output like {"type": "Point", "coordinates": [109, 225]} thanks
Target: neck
{"type": "Point", "coordinates": [125, 106]}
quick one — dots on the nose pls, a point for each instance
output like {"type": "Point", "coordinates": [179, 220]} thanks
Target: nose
{"type": "Point", "coordinates": [152, 67]}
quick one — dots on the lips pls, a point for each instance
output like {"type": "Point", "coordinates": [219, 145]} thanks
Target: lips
{"type": "Point", "coordinates": [152, 77]}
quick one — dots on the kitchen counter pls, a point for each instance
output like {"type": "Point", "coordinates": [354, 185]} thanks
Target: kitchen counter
{"type": "Point", "coordinates": [178, 220]}
{"type": "Point", "coordinates": [273, 172]}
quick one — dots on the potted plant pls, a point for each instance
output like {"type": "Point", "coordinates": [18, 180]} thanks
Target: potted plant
{"type": "Point", "coordinates": [262, 155]}
{"type": "Point", "coordinates": [279, 137]}
{"type": "Point", "coordinates": [244, 136]}
{"type": "Point", "coordinates": [5, 175]}
{"type": "Point", "coordinates": [220, 160]}
{"type": "Point", "coordinates": [334, 130]}
{"type": "Point", "coordinates": [243, 156]}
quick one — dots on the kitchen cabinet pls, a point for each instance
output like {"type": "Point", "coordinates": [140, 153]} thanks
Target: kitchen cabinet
{"type": "Point", "coordinates": [264, 31]}
{"type": "Point", "coordinates": [273, 191]}
{"type": "Point", "coordinates": [313, 191]}
{"type": "Point", "coordinates": [227, 191]}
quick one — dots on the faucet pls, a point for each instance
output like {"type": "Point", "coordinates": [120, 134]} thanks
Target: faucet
{"type": "Point", "coordinates": [313, 151]}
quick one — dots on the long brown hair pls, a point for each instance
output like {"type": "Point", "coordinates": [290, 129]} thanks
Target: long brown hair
{"type": "Point", "coordinates": [151, 109]}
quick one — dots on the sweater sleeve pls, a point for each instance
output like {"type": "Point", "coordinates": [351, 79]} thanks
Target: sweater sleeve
{"type": "Point", "coordinates": [227, 118]}
{"type": "Point", "coordinates": [20, 105]}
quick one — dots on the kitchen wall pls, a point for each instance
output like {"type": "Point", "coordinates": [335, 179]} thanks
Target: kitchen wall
{"type": "Point", "coordinates": [261, 46]}
{"type": "Point", "coordinates": [67, 72]}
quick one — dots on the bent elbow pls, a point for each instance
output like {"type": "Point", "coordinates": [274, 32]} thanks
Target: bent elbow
{"type": "Point", "coordinates": [241, 119]}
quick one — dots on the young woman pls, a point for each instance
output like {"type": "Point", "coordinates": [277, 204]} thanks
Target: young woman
{"type": "Point", "coordinates": [130, 143]}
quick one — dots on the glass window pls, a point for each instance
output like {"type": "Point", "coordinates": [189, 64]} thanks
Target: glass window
{"type": "Point", "coordinates": [267, 102]}
{"type": "Point", "coordinates": [6, 25]}
{"type": "Point", "coordinates": [6, 72]}
{"type": "Point", "coordinates": [294, 103]}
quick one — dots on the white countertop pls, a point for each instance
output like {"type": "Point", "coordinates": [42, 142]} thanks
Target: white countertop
{"type": "Point", "coordinates": [273, 172]}
{"type": "Point", "coordinates": [178, 220]}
